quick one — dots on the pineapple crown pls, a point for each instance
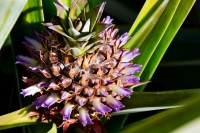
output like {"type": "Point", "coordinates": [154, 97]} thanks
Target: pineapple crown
{"type": "Point", "coordinates": [78, 25]}
{"type": "Point", "coordinates": [79, 72]}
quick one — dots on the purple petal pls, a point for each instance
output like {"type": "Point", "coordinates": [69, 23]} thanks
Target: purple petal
{"type": "Point", "coordinates": [88, 91]}
{"type": "Point", "coordinates": [107, 20]}
{"type": "Point", "coordinates": [30, 90]}
{"type": "Point", "coordinates": [42, 84]}
{"type": "Point", "coordinates": [33, 43]}
{"type": "Point", "coordinates": [123, 65]}
{"type": "Point", "coordinates": [50, 100]}
{"type": "Point", "coordinates": [66, 112]}
{"type": "Point", "coordinates": [121, 90]}
{"type": "Point", "coordinates": [39, 101]}
{"type": "Point", "coordinates": [65, 82]}
{"type": "Point", "coordinates": [46, 100]}
{"type": "Point", "coordinates": [100, 107]}
{"type": "Point", "coordinates": [81, 100]}
{"type": "Point", "coordinates": [114, 103]}
{"type": "Point", "coordinates": [84, 117]}
{"type": "Point", "coordinates": [25, 60]}
{"type": "Point", "coordinates": [103, 92]}
{"type": "Point", "coordinates": [128, 55]}
{"type": "Point", "coordinates": [128, 80]}
{"type": "Point", "coordinates": [117, 54]}
{"type": "Point", "coordinates": [123, 39]}
{"type": "Point", "coordinates": [54, 86]}
{"type": "Point", "coordinates": [65, 95]}
{"type": "Point", "coordinates": [113, 33]}
{"type": "Point", "coordinates": [129, 70]}
{"type": "Point", "coordinates": [77, 88]}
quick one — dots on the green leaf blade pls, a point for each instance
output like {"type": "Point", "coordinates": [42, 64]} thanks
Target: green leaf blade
{"type": "Point", "coordinates": [168, 36]}
{"type": "Point", "coordinates": [10, 11]}
{"type": "Point", "coordinates": [17, 118]}
{"type": "Point", "coordinates": [169, 120]}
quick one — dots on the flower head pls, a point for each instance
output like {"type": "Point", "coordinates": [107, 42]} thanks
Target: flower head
{"type": "Point", "coordinates": [80, 72]}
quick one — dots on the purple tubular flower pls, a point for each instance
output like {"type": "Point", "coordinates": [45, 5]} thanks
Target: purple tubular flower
{"type": "Point", "coordinates": [128, 80]}
{"type": "Point", "coordinates": [33, 43]}
{"type": "Point", "coordinates": [30, 90]}
{"type": "Point", "coordinates": [65, 95]}
{"type": "Point", "coordinates": [128, 55]}
{"type": "Point", "coordinates": [129, 70]}
{"type": "Point", "coordinates": [107, 20]}
{"type": "Point", "coordinates": [84, 117]}
{"type": "Point", "coordinates": [114, 103]}
{"type": "Point", "coordinates": [100, 107]}
{"type": "Point", "coordinates": [123, 39]}
{"type": "Point", "coordinates": [46, 100]}
{"type": "Point", "coordinates": [81, 100]}
{"type": "Point", "coordinates": [25, 60]}
{"type": "Point", "coordinates": [67, 111]}
{"type": "Point", "coordinates": [42, 84]}
{"type": "Point", "coordinates": [121, 90]}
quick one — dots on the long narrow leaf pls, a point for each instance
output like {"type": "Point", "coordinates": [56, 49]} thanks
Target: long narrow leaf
{"type": "Point", "coordinates": [168, 121]}
{"type": "Point", "coordinates": [143, 109]}
{"type": "Point", "coordinates": [10, 11]}
{"type": "Point", "coordinates": [152, 40]}
{"type": "Point", "coordinates": [17, 118]}
{"type": "Point", "coordinates": [181, 12]}
{"type": "Point", "coordinates": [146, 23]}
{"type": "Point", "coordinates": [139, 100]}
{"type": "Point", "coordinates": [164, 98]}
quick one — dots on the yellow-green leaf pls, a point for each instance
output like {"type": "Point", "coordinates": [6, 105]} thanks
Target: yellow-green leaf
{"type": "Point", "coordinates": [10, 11]}
{"type": "Point", "coordinates": [17, 118]}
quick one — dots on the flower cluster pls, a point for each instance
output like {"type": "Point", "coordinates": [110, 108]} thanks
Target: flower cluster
{"type": "Point", "coordinates": [79, 72]}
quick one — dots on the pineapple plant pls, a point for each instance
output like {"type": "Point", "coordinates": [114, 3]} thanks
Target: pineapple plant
{"type": "Point", "coordinates": [79, 70]}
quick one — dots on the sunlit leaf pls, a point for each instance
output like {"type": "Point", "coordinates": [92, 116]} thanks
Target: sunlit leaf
{"type": "Point", "coordinates": [10, 11]}
{"type": "Point", "coordinates": [17, 118]}
{"type": "Point", "coordinates": [141, 30]}
{"type": "Point", "coordinates": [53, 129]}
{"type": "Point", "coordinates": [153, 38]}
{"type": "Point", "coordinates": [143, 109]}
{"type": "Point", "coordinates": [139, 100]}
{"type": "Point", "coordinates": [170, 120]}
{"type": "Point", "coordinates": [167, 37]}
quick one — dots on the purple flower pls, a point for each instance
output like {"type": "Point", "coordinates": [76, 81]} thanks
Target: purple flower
{"type": "Point", "coordinates": [46, 100]}
{"type": "Point", "coordinates": [67, 111]}
{"type": "Point", "coordinates": [30, 90]}
{"type": "Point", "coordinates": [84, 117]}
{"type": "Point", "coordinates": [25, 60]}
{"type": "Point", "coordinates": [129, 70]}
{"type": "Point", "coordinates": [114, 103]}
{"type": "Point", "coordinates": [128, 80]}
{"type": "Point", "coordinates": [121, 90]}
{"type": "Point", "coordinates": [33, 43]}
{"type": "Point", "coordinates": [66, 95]}
{"type": "Point", "coordinates": [42, 84]}
{"type": "Point", "coordinates": [128, 55]}
{"type": "Point", "coordinates": [123, 39]}
{"type": "Point", "coordinates": [100, 107]}
{"type": "Point", "coordinates": [81, 100]}
{"type": "Point", "coordinates": [107, 20]}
